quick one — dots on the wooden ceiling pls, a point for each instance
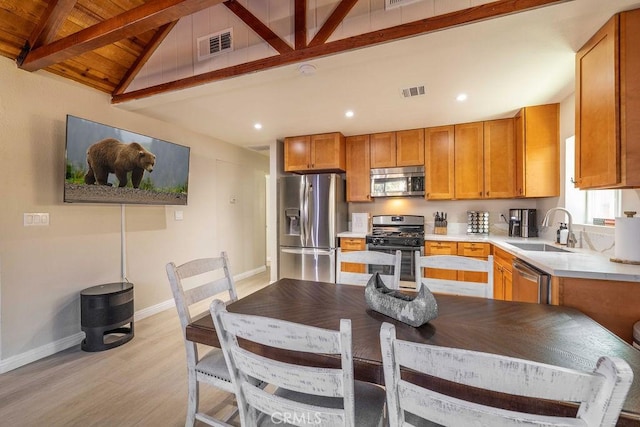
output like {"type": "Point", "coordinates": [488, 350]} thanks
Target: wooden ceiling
{"type": "Point", "coordinates": [105, 43]}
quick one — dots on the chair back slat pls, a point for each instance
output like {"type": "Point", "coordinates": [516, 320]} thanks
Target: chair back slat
{"type": "Point", "coordinates": [326, 381]}
{"type": "Point", "coordinates": [451, 286]}
{"type": "Point", "coordinates": [600, 393]}
{"type": "Point", "coordinates": [368, 258]}
{"type": "Point", "coordinates": [268, 403]}
{"type": "Point", "coordinates": [208, 290]}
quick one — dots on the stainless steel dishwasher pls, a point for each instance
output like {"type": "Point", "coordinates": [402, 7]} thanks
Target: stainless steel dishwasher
{"type": "Point", "coordinates": [529, 283]}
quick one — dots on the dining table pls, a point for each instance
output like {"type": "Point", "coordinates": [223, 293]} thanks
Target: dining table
{"type": "Point", "coordinates": [543, 333]}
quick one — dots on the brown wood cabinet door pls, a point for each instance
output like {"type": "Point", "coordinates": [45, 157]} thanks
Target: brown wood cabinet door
{"type": "Point", "coordinates": [507, 279]}
{"type": "Point", "coordinates": [542, 150]}
{"type": "Point", "coordinates": [499, 159]}
{"type": "Point", "coordinates": [410, 147]}
{"type": "Point", "coordinates": [328, 151]}
{"type": "Point", "coordinates": [297, 154]}
{"type": "Point", "coordinates": [469, 153]}
{"type": "Point", "coordinates": [518, 123]}
{"type": "Point", "coordinates": [358, 169]}
{"type": "Point", "coordinates": [439, 166]}
{"type": "Point", "coordinates": [353, 244]}
{"type": "Point", "coordinates": [475, 250]}
{"type": "Point", "coordinates": [440, 248]}
{"type": "Point", "coordinates": [498, 282]}
{"type": "Point", "coordinates": [597, 114]}
{"type": "Point", "coordinates": [383, 150]}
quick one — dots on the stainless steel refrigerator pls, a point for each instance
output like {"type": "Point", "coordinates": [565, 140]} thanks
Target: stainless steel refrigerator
{"type": "Point", "coordinates": [312, 211]}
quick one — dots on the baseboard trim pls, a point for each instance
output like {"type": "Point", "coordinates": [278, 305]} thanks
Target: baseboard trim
{"type": "Point", "coordinates": [40, 353]}
{"type": "Point", "coordinates": [47, 350]}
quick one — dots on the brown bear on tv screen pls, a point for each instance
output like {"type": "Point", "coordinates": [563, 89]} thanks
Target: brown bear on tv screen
{"type": "Point", "coordinates": [112, 156]}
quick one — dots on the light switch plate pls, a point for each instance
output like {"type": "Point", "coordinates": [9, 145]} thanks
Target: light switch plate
{"type": "Point", "coordinates": [36, 218]}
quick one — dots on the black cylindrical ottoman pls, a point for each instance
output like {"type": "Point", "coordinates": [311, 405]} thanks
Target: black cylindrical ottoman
{"type": "Point", "coordinates": [105, 311]}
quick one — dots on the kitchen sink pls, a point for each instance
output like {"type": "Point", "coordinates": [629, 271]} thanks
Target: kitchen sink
{"type": "Point", "coordinates": [537, 247]}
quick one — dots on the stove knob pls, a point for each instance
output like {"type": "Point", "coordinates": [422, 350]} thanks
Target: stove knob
{"type": "Point", "coordinates": [416, 242]}
{"type": "Point", "coordinates": [378, 241]}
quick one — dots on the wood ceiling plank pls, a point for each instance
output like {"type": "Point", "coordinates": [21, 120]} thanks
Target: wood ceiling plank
{"type": "Point", "coordinates": [135, 21]}
{"type": "Point", "coordinates": [133, 71]}
{"type": "Point", "coordinates": [422, 26]}
{"type": "Point", "coordinates": [330, 25]}
{"type": "Point", "coordinates": [258, 27]}
{"type": "Point", "coordinates": [300, 24]}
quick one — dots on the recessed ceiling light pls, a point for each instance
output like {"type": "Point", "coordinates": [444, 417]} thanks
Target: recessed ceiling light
{"type": "Point", "coordinates": [348, 113]}
{"type": "Point", "coordinates": [258, 126]}
{"type": "Point", "coordinates": [461, 97]}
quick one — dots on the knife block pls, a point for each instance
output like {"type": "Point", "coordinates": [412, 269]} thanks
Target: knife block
{"type": "Point", "coordinates": [440, 230]}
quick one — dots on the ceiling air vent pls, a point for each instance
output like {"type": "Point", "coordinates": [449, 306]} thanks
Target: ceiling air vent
{"type": "Point", "coordinates": [215, 44]}
{"type": "Point", "coordinates": [392, 4]}
{"type": "Point", "coordinates": [413, 91]}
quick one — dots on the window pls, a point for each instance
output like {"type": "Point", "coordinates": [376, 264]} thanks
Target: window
{"type": "Point", "coordinates": [587, 205]}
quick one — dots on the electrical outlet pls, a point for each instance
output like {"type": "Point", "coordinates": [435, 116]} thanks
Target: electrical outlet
{"type": "Point", "coordinates": [33, 219]}
{"type": "Point", "coordinates": [178, 215]}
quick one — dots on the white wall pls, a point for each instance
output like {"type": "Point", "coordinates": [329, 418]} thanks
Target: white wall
{"type": "Point", "coordinates": [43, 269]}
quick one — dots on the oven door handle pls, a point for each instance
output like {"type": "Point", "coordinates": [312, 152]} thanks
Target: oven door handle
{"type": "Point", "coordinates": [393, 248]}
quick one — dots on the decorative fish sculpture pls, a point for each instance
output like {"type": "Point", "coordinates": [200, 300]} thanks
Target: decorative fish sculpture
{"type": "Point", "coordinates": [412, 310]}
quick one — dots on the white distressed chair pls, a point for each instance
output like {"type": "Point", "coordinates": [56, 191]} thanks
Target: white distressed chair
{"type": "Point", "coordinates": [368, 258]}
{"type": "Point", "coordinates": [295, 394]}
{"type": "Point", "coordinates": [601, 393]}
{"type": "Point", "coordinates": [209, 277]}
{"type": "Point", "coordinates": [455, 262]}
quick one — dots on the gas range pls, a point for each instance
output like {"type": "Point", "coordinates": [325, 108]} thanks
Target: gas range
{"type": "Point", "coordinates": [402, 231]}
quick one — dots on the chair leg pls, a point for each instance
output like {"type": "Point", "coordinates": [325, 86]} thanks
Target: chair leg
{"type": "Point", "coordinates": [193, 399]}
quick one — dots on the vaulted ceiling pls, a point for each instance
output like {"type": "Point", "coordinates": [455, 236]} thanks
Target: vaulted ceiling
{"type": "Point", "coordinates": [105, 44]}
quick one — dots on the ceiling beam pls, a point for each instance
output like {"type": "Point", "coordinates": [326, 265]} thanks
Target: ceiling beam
{"type": "Point", "coordinates": [143, 18]}
{"type": "Point", "coordinates": [50, 24]}
{"type": "Point", "coordinates": [300, 24]}
{"type": "Point", "coordinates": [422, 26]}
{"type": "Point", "coordinates": [142, 59]}
{"type": "Point", "coordinates": [330, 25]}
{"type": "Point", "coordinates": [258, 27]}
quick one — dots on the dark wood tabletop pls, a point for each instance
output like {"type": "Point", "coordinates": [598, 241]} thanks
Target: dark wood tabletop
{"type": "Point", "coordinates": [544, 333]}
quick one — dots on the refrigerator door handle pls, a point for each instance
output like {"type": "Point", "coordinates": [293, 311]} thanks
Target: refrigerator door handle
{"type": "Point", "coordinates": [303, 206]}
{"type": "Point", "coordinates": [307, 251]}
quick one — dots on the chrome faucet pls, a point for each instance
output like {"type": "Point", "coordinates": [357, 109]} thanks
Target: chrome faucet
{"type": "Point", "coordinates": [571, 239]}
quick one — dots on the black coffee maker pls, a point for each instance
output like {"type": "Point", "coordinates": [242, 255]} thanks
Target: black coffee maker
{"type": "Point", "coordinates": [522, 223]}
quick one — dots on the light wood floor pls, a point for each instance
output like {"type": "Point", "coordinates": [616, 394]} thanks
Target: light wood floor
{"type": "Point", "coordinates": [141, 383]}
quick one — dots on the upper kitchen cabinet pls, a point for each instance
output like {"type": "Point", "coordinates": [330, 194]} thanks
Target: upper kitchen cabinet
{"type": "Point", "coordinates": [358, 169]}
{"type": "Point", "coordinates": [608, 106]}
{"type": "Point", "coordinates": [538, 151]}
{"type": "Point", "coordinates": [468, 163]}
{"type": "Point", "coordinates": [395, 149]}
{"type": "Point", "coordinates": [439, 162]}
{"type": "Point", "coordinates": [315, 153]}
{"type": "Point", "coordinates": [410, 147]}
{"type": "Point", "coordinates": [499, 159]}
{"type": "Point", "coordinates": [383, 150]}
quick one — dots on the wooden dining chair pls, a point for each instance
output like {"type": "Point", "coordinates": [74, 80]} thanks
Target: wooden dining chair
{"type": "Point", "coordinates": [600, 393]}
{"type": "Point", "coordinates": [454, 282]}
{"type": "Point", "coordinates": [295, 394]}
{"type": "Point", "coordinates": [366, 258]}
{"type": "Point", "coordinates": [208, 277]}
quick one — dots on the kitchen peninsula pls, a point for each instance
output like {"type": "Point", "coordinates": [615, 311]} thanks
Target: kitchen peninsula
{"type": "Point", "coordinates": [587, 280]}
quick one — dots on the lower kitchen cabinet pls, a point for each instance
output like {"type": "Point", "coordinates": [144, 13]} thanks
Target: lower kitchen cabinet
{"type": "Point", "coordinates": [502, 275]}
{"type": "Point", "coordinates": [440, 248]}
{"type": "Point", "coordinates": [468, 249]}
{"type": "Point", "coordinates": [473, 250]}
{"type": "Point", "coordinates": [353, 244]}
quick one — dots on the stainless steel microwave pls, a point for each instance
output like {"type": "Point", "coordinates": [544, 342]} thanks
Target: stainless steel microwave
{"type": "Point", "coordinates": [404, 181]}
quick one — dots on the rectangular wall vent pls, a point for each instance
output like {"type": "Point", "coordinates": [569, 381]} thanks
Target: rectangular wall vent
{"type": "Point", "coordinates": [392, 4]}
{"type": "Point", "coordinates": [215, 44]}
{"type": "Point", "coordinates": [413, 91]}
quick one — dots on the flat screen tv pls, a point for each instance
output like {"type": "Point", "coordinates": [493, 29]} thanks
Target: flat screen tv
{"type": "Point", "coordinates": [105, 164]}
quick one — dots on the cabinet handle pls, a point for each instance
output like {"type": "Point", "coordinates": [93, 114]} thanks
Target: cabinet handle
{"type": "Point", "coordinates": [480, 193]}
{"type": "Point", "coordinates": [487, 194]}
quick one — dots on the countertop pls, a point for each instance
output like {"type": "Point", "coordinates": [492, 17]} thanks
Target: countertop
{"type": "Point", "coordinates": [577, 263]}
